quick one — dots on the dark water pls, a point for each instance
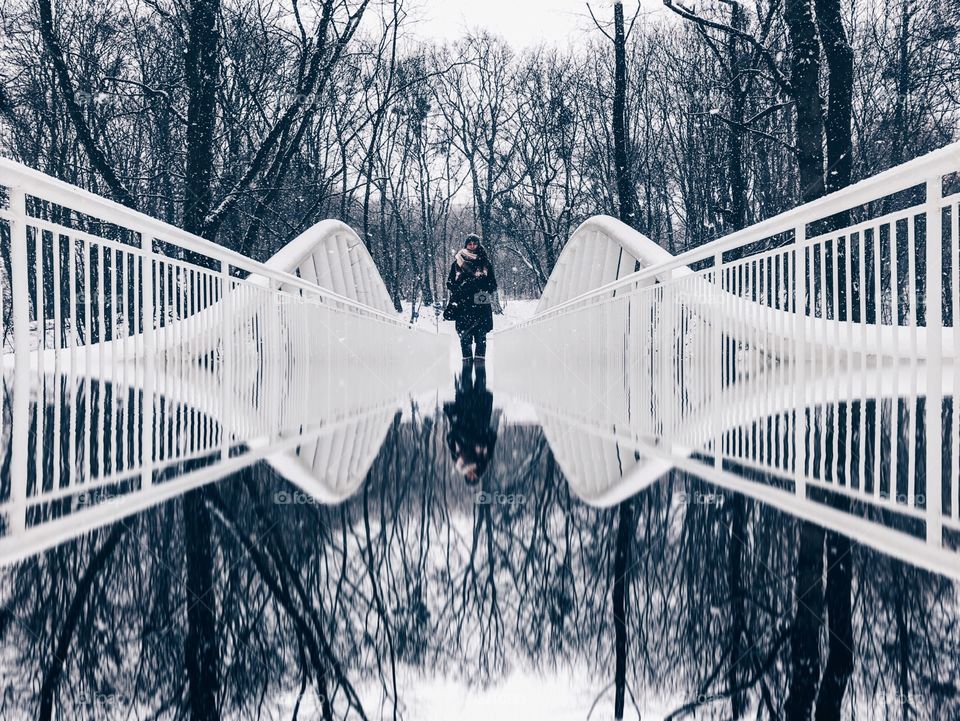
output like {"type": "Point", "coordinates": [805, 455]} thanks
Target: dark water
{"type": "Point", "coordinates": [465, 579]}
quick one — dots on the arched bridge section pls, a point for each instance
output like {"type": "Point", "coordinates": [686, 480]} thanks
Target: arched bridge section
{"type": "Point", "coordinates": [600, 251]}
{"type": "Point", "coordinates": [140, 361]}
{"type": "Point", "coordinates": [332, 256]}
{"type": "Point", "coordinates": [810, 360]}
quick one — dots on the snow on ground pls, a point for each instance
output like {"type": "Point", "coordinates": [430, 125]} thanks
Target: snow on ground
{"type": "Point", "coordinates": [514, 311]}
{"type": "Point", "coordinates": [524, 694]}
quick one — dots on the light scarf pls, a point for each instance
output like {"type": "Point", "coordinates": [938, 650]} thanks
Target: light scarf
{"type": "Point", "coordinates": [465, 257]}
{"type": "Point", "coordinates": [470, 263]}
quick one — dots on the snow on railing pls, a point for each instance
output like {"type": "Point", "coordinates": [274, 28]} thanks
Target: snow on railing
{"type": "Point", "coordinates": [141, 359]}
{"type": "Point", "coordinates": [790, 352]}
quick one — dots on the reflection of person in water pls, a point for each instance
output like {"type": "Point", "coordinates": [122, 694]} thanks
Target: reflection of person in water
{"type": "Point", "coordinates": [471, 437]}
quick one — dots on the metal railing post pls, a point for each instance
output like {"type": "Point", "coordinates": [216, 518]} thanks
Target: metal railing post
{"type": "Point", "coordinates": [800, 352]}
{"type": "Point", "coordinates": [147, 313]}
{"type": "Point", "coordinates": [20, 297]}
{"type": "Point", "coordinates": [934, 320]}
{"type": "Point", "coordinates": [718, 375]}
{"type": "Point", "coordinates": [226, 357]}
{"type": "Point", "coordinates": [668, 357]}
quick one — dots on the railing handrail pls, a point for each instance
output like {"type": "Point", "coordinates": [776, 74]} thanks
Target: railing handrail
{"type": "Point", "coordinates": [889, 182]}
{"type": "Point", "coordinates": [36, 184]}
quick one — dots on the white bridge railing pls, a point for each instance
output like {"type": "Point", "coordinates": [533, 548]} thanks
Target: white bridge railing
{"type": "Point", "coordinates": [811, 356]}
{"type": "Point", "coordinates": [135, 353]}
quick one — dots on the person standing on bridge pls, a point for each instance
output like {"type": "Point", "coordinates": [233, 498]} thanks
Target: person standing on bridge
{"type": "Point", "coordinates": [472, 285]}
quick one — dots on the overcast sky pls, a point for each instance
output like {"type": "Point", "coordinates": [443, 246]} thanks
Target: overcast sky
{"type": "Point", "coordinates": [521, 22]}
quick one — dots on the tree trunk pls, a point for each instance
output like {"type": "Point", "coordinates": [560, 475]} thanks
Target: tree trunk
{"type": "Point", "coordinates": [805, 79]}
{"type": "Point", "coordinates": [202, 67]}
{"type": "Point", "coordinates": [805, 82]}
{"type": "Point", "coordinates": [620, 154]}
{"type": "Point", "coordinates": [903, 85]}
{"type": "Point", "coordinates": [202, 73]}
{"type": "Point", "coordinates": [735, 132]}
{"type": "Point", "coordinates": [839, 56]}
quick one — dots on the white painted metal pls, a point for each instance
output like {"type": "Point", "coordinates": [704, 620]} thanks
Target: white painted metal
{"type": "Point", "coordinates": [178, 358]}
{"type": "Point", "coordinates": [589, 259]}
{"type": "Point", "coordinates": [766, 358]}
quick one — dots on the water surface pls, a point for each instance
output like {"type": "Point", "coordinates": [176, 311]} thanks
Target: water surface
{"type": "Point", "coordinates": [420, 552]}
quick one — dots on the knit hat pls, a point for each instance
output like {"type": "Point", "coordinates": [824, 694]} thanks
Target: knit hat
{"type": "Point", "coordinates": [472, 238]}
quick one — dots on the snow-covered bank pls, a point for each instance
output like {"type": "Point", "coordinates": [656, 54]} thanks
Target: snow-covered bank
{"type": "Point", "coordinates": [514, 311]}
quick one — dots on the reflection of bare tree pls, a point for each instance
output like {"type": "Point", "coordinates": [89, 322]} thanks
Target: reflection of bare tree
{"type": "Point", "coordinates": [735, 584]}
{"type": "Point", "coordinates": [373, 574]}
{"type": "Point", "coordinates": [805, 636]}
{"type": "Point", "coordinates": [839, 593]}
{"type": "Point", "coordinates": [739, 650]}
{"type": "Point", "coordinates": [200, 651]}
{"type": "Point", "coordinates": [267, 550]}
{"type": "Point", "coordinates": [478, 590]}
{"type": "Point", "coordinates": [549, 574]}
{"type": "Point", "coordinates": [328, 611]}
{"type": "Point", "coordinates": [621, 569]}
{"type": "Point", "coordinates": [72, 620]}
{"type": "Point", "coordinates": [907, 649]}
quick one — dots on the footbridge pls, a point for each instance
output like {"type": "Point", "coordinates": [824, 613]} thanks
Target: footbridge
{"type": "Point", "coordinates": [808, 361]}
{"type": "Point", "coordinates": [141, 361]}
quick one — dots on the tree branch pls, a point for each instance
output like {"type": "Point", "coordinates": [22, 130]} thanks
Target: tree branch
{"type": "Point", "coordinates": [762, 51]}
{"type": "Point", "coordinates": [316, 78]}
{"type": "Point", "coordinates": [597, 23]}
{"type": "Point", "coordinates": [97, 158]}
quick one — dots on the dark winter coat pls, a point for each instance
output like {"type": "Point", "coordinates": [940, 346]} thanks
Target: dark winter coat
{"type": "Point", "coordinates": [471, 296]}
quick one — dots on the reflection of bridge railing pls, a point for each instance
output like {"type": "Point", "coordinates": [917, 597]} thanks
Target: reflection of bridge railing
{"type": "Point", "coordinates": [603, 443]}
{"type": "Point", "coordinates": [177, 338]}
{"type": "Point", "coordinates": [320, 431]}
{"type": "Point", "coordinates": [839, 313]}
